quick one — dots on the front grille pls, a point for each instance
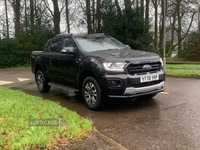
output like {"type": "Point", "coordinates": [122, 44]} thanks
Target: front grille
{"type": "Point", "coordinates": [139, 69]}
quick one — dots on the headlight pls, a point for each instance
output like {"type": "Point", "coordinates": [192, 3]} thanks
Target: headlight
{"type": "Point", "coordinates": [161, 61]}
{"type": "Point", "coordinates": [118, 66]}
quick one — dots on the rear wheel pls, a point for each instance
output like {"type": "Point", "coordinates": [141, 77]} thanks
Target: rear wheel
{"type": "Point", "coordinates": [91, 93]}
{"type": "Point", "coordinates": [41, 82]}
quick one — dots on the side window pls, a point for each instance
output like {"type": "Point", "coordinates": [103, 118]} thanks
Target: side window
{"type": "Point", "coordinates": [67, 42]}
{"type": "Point", "coordinates": [55, 45]}
{"type": "Point", "coordinates": [46, 47]}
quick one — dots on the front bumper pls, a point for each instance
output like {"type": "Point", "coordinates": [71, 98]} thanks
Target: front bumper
{"type": "Point", "coordinates": [131, 86]}
{"type": "Point", "coordinates": [131, 92]}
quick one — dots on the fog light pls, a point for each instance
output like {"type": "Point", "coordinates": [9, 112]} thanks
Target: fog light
{"type": "Point", "coordinates": [115, 83]}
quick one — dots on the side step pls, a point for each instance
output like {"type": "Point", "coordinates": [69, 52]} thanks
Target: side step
{"type": "Point", "coordinates": [65, 87]}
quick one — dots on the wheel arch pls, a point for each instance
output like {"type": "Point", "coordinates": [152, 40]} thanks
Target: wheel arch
{"type": "Point", "coordinates": [86, 73]}
{"type": "Point", "coordinates": [38, 67]}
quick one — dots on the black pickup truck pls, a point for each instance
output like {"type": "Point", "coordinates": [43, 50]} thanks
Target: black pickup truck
{"type": "Point", "coordinates": [97, 66]}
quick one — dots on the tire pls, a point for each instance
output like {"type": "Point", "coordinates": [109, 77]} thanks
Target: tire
{"type": "Point", "coordinates": [91, 93]}
{"type": "Point", "coordinates": [41, 82]}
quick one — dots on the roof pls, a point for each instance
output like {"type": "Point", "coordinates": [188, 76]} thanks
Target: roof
{"type": "Point", "coordinates": [81, 34]}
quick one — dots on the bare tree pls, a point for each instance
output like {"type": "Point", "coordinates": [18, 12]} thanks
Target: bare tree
{"type": "Point", "coordinates": [161, 29]}
{"type": "Point", "coordinates": [127, 4]}
{"type": "Point", "coordinates": [7, 25]}
{"type": "Point", "coordinates": [179, 30]}
{"type": "Point", "coordinates": [88, 14]}
{"type": "Point", "coordinates": [67, 15]}
{"type": "Point", "coordinates": [98, 15]}
{"type": "Point", "coordinates": [137, 5]}
{"type": "Point", "coordinates": [147, 11]}
{"type": "Point", "coordinates": [93, 16]}
{"type": "Point", "coordinates": [181, 14]}
{"type": "Point", "coordinates": [56, 17]}
{"type": "Point", "coordinates": [199, 18]}
{"type": "Point", "coordinates": [25, 16]}
{"type": "Point", "coordinates": [147, 14]}
{"type": "Point", "coordinates": [55, 14]}
{"type": "Point", "coordinates": [32, 15]}
{"type": "Point", "coordinates": [142, 7]}
{"type": "Point", "coordinates": [118, 7]}
{"type": "Point", "coordinates": [155, 4]}
{"type": "Point", "coordinates": [16, 7]}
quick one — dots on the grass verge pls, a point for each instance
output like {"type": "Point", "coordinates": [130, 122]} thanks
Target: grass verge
{"type": "Point", "coordinates": [30, 122]}
{"type": "Point", "coordinates": [183, 66]}
{"type": "Point", "coordinates": [186, 70]}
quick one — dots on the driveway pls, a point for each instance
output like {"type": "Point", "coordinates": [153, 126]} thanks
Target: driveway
{"type": "Point", "coordinates": [171, 120]}
{"type": "Point", "coordinates": [15, 77]}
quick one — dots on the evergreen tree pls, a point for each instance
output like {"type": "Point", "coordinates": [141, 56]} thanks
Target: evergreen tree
{"type": "Point", "coordinates": [129, 26]}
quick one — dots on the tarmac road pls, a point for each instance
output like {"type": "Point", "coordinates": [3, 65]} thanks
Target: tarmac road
{"type": "Point", "coordinates": [169, 121]}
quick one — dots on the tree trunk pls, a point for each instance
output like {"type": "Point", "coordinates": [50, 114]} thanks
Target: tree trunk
{"type": "Point", "coordinates": [199, 19]}
{"type": "Point", "coordinates": [93, 17]}
{"type": "Point", "coordinates": [147, 14]}
{"type": "Point", "coordinates": [184, 36]}
{"type": "Point", "coordinates": [172, 36]}
{"type": "Point", "coordinates": [17, 17]}
{"type": "Point", "coordinates": [37, 15]}
{"type": "Point", "coordinates": [88, 14]}
{"type": "Point", "coordinates": [178, 5]}
{"type": "Point", "coordinates": [156, 25]}
{"type": "Point", "coordinates": [142, 7]}
{"type": "Point", "coordinates": [67, 15]}
{"type": "Point", "coordinates": [137, 6]}
{"type": "Point", "coordinates": [32, 15]}
{"type": "Point", "coordinates": [98, 17]}
{"type": "Point", "coordinates": [118, 7]}
{"type": "Point", "coordinates": [7, 25]}
{"type": "Point", "coordinates": [56, 17]}
{"type": "Point", "coordinates": [127, 4]}
{"type": "Point", "coordinates": [26, 19]}
{"type": "Point", "coordinates": [161, 30]}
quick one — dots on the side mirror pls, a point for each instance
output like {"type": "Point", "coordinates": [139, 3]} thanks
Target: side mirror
{"type": "Point", "coordinates": [68, 50]}
{"type": "Point", "coordinates": [128, 47]}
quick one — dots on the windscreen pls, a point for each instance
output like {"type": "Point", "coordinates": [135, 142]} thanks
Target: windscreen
{"type": "Point", "coordinates": [91, 43]}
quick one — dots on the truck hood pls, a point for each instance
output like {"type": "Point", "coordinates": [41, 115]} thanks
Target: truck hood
{"type": "Point", "coordinates": [123, 55]}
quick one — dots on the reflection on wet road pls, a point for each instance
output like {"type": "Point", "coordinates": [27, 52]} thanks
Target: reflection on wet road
{"type": "Point", "coordinates": [171, 120]}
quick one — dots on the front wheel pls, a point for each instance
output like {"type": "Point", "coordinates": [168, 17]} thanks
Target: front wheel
{"type": "Point", "coordinates": [41, 82]}
{"type": "Point", "coordinates": [91, 93]}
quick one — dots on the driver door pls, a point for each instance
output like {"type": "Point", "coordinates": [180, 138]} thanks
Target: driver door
{"type": "Point", "coordinates": [69, 62]}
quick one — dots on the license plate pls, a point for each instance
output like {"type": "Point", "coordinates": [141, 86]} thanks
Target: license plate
{"type": "Point", "coordinates": [149, 78]}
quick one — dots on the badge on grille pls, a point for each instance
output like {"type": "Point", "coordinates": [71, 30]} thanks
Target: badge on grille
{"type": "Point", "coordinates": [147, 67]}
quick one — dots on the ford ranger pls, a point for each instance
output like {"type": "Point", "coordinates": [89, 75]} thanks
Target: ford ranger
{"type": "Point", "coordinates": [97, 65]}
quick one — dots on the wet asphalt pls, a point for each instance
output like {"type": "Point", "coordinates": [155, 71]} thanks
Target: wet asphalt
{"type": "Point", "coordinates": [169, 121]}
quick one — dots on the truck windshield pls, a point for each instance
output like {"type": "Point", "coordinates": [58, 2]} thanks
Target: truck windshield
{"type": "Point", "coordinates": [90, 43]}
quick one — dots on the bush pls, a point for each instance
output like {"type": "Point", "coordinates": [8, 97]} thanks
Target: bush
{"type": "Point", "coordinates": [191, 47]}
{"type": "Point", "coordinates": [16, 52]}
{"type": "Point", "coordinates": [13, 54]}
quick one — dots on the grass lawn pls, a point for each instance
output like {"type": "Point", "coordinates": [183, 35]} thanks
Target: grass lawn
{"type": "Point", "coordinates": [183, 66]}
{"type": "Point", "coordinates": [190, 70]}
{"type": "Point", "coordinates": [30, 122]}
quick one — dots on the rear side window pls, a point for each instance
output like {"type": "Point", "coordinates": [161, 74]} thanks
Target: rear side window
{"type": "Point", "coordinates": [55, 45]}
{"type": "Point", "coordinates": [46, 47]}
